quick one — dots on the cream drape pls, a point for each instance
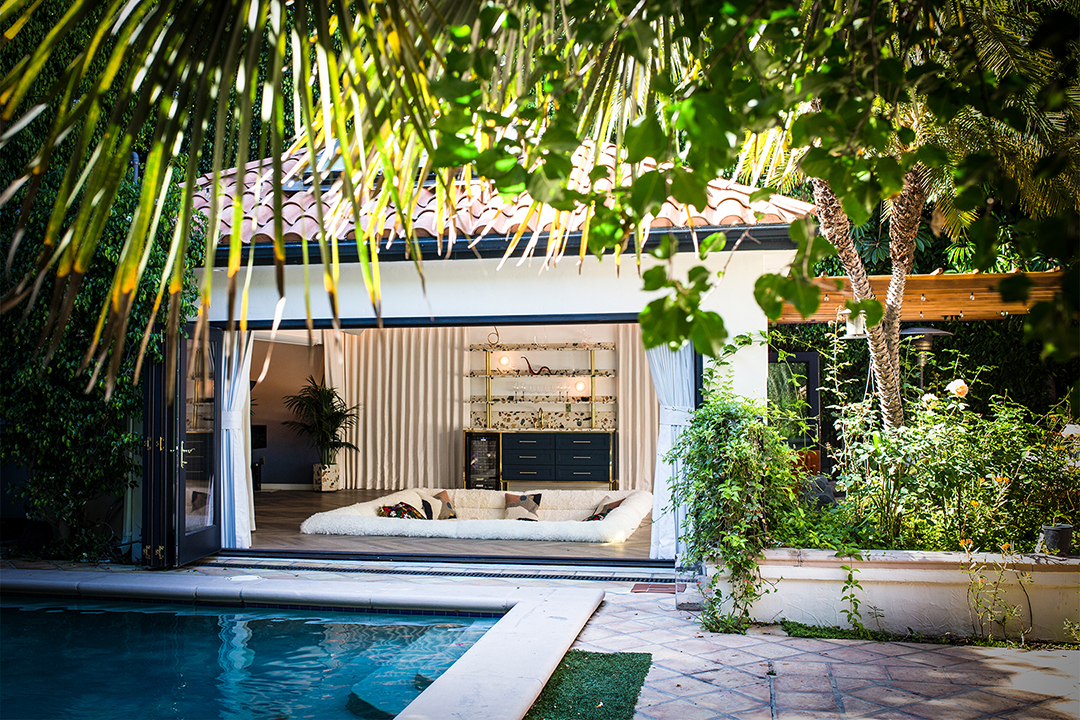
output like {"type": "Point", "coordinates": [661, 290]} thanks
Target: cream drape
{"type": "Point", "coordinates": [639, 412]}
{"type": "Point", "coordinates": [238, 516]}
{"type": "Point", "coordinates": [673, 378]}
{"type": "Point", "coordinates": [410, 386]}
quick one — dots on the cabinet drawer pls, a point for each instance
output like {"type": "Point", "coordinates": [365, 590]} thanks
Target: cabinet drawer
{"type": "Point", "coordinates": [527, 473]}
{"type": "Point", "coordinates": [527, 441]}
{"type": "Point", "coordinates": [568, 458]}
{"type": "Point", "coordinates": [590, 473]}
{"type": "Point", "coordinates": [528, 456]}
{"type": "Point", "coordinates": [483, 484]}
{"type": "Point", "coordinates": [583, 441]}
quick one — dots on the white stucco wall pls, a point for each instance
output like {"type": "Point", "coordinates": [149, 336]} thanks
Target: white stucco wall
{"type": "Point", "coordinates": [474, 288]}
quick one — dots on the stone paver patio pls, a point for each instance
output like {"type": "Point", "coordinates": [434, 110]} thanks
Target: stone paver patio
{"type": "Point", "coordinates": [697, 675]}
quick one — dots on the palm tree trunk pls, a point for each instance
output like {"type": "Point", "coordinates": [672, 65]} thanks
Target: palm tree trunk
{"type": "Point", "coordinates": [884, 355]}
{"type": "Point", "coordinates": [907, 209]}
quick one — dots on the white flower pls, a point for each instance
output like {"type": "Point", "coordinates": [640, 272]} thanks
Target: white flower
{"type": "Point", "coordinates": [959, 388]}
{"type": "Point", "coordinates": [929, 398]}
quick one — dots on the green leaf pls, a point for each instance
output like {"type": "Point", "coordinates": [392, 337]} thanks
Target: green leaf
{"type": "Point", "coordinates": [689, 188]}
{"type": "Point", "coordinates": [713, 243]}
{"type": "Point", "coordinates": [708, 333]}
{"type": "Point", "coordinates": [485, 63]}
{"type": "Point", "coordinates": [648, 192]}
{"type": "Point", "coordinates": [871, 308]}
{"type": "Point", "coordinates": [767, 292]}
{"type": "Point", "coordinates": [669, 245]}
{"type": "Point", "coordinates": [663, 323]}
{"type": "Point", "coordinates": [698, 276]}
{"type": "Point", "coordinates": [799, 232]}
{"type": "Point", "coordinates": [655, 278]}
{"type": "Point", "coordinates": [453, 152]}
{"type": "Point", "coordinates": [644, 139]}
{"type": "Point", "coordinates": [543, 188]}
{"type": "Point", "coordinates": [890, 175]}
{"type": "Point", "coordinates": [801, 292]}
{"type": "Point", "coordinates": [762, 194]}
{"type": "Point", "coordinates": [818, 162]}
{"type": "Point", "coordinates": [932, 156]}
{"type": "Point", "coordinates": [1015, 288]}
{"type": "Point", "coordinates": [638, 39]}
{"type": "Point", "coordinates": [856, 208]}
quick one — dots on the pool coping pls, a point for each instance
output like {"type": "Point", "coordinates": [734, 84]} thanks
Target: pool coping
{"type": "Point", "coordinates": [499, 677]}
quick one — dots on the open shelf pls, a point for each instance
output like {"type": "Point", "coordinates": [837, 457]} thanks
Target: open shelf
{"type": "Point", "coordinates": [558, 347]}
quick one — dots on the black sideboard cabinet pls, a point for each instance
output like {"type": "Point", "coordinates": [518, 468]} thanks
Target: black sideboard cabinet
{"type": "Point", "coordinates": [494, 458]}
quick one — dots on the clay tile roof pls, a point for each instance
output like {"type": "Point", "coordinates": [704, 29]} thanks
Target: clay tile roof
{"type": "Point", "coordinates": [477, 212]}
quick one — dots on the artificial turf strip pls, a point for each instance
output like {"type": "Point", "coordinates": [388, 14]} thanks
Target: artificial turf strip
{"type": "Point", "coordinates": [598, 686]}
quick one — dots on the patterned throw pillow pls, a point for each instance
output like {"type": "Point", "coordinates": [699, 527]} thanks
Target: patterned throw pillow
{"type": "Point", "coordinates": [597, 516]}
{"type": "Point", "coordinates": [431, 506]}
{"type": "Point", "coordinates": [606, 505]}
{"type": "Point", "coordinates": [447, 512]}
{"type": "Point", "coordinates": [522, 507]}
{"type": "Point", "coordinates": [401, 510]}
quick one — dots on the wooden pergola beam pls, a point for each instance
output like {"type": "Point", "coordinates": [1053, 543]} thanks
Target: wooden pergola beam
{"type": "Point", "coordinates": [971, 296]}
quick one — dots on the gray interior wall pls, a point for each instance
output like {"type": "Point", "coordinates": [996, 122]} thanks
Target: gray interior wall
{"type": "Point", "coordinates": [288, 456]}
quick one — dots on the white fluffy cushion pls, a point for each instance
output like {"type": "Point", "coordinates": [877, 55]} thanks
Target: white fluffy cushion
{"type": "Point", "coordinates": [481, 515]}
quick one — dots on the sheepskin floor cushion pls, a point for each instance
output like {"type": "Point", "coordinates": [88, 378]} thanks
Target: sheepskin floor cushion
{"type": "Point", "coordinates": [481, 515]}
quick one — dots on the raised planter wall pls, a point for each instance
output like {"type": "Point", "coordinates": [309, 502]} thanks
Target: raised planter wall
{"type": "Point", "coordinates": [926, 592]}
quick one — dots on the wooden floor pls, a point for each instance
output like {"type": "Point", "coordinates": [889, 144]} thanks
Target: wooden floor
{"type": "Point", "coordinates": [278, 515]}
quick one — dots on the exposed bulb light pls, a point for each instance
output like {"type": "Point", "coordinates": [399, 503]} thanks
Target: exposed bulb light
{"type": "Point", "coordinates": [504, 360]}
{"type": "Point", "coordinates": [580, 386]}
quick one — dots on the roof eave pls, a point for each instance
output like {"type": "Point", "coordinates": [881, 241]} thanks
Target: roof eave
{"type": "Point", "coordinates": [772, 236]}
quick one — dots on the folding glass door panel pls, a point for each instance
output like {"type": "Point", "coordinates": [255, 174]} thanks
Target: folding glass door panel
{"type": "Point", "coordinates": [182, 482]}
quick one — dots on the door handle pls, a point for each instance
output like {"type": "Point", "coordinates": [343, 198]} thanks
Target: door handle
{"type": "Point", "coordinates": [182, 452]}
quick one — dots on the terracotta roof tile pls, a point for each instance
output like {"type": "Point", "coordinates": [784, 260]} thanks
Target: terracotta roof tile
{"type": "Point", "coordinates": [478, 211]}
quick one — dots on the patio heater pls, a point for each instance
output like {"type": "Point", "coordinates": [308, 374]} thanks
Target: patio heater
{"type": "Point", "coordinates": [924, 340]}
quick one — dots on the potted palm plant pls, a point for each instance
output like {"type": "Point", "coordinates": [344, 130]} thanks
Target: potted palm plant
{"type": "Point", "coordinates": [322, 415]}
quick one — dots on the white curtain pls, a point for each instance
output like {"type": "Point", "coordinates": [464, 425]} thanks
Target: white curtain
{"type": "Point", "coordinates": [410, 386]}
{"type": "Point", "coordinates": [238, 515]}
{"type": "Point", "coordinates": [673, 378]}
{"type": "Point", "coordinates": [638, 411]}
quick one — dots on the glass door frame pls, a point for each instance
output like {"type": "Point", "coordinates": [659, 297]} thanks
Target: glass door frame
{"type": "Point", "coordinates": [167, 457]}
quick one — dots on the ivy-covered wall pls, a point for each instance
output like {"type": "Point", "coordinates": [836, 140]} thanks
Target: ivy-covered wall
{"type": "Point", "coordinates": [78, 449]}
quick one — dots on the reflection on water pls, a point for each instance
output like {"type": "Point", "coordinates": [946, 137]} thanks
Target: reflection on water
{"type": "Point", "coordinates": [110, 660]}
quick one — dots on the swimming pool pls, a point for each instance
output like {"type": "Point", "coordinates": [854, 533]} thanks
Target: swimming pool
{"type": "Point", "coordinates": [90, 659]}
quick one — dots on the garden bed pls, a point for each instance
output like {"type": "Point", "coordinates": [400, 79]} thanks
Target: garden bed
{"type": "Point", "coordinates": [933, 593]}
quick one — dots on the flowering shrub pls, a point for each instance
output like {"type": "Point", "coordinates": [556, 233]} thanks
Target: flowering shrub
{"type": "Point", "coordinates": [952, 479]}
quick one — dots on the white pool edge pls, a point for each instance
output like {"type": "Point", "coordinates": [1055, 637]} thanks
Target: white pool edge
{"type": "Point", "coordinates": [499, 677]}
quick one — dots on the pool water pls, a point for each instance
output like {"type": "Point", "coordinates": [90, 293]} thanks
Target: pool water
{"type": "Point", "coordinates": [89, 660]}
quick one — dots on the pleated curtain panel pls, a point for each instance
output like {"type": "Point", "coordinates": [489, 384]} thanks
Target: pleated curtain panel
{"type": "Point", "coordinates": [238, 503]}
{"type": "Point", "coordinates": [409, 384]}
{"type": "Point", "coordinates": [638, 410]}
{"type": "Point", "coordinates": [673, 378]}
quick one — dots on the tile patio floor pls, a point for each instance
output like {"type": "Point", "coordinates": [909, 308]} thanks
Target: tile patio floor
{"type": "Point", "coordinates": [765, 675]}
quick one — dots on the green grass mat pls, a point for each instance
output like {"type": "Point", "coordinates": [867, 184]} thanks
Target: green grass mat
{"type": "Point", "coordinates": [598, 686]}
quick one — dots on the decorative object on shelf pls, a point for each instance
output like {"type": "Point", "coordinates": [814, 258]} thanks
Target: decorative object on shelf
{"type": "Point", "coordinates": [321, 415]}
{"type": "Point", "coordinates": [568, 388]}
{"type": "Point", "coordinates": [543, 370]}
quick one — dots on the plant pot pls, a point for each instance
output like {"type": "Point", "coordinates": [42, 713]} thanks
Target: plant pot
{"type": "Point", "coordinates": [325, 478]}
{"type": "Point", "coordinates": [1057, 539]}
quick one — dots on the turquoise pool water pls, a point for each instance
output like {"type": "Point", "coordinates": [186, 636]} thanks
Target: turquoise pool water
{"type": "Point", "coordinates": [91, 660]}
